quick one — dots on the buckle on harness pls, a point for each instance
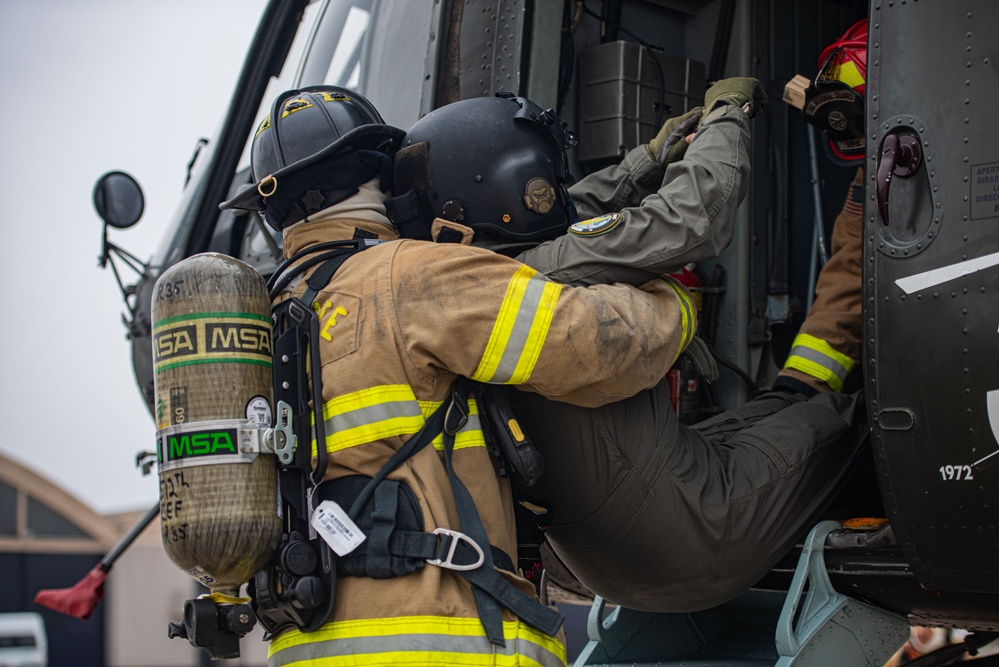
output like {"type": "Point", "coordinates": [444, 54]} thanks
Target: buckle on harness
{"type": "Point", "coordinates": [452, 429]}
{"type": "Point", "coordinates": [457, 537]}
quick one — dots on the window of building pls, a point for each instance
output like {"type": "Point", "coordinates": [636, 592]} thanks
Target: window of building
{"type": "Point", "coordinates": [8, 510]}
{"type": "Point", "coordinates": [43, 522]}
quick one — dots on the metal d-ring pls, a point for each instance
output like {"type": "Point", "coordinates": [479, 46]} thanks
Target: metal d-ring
{"type": "Point", "coordinates": [456, 538]}
{"type": "Point", "coordinates": [267, 180]}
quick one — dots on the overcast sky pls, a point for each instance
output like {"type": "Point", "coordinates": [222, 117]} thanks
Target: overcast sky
{"type": "Point", "coordinates": [87, 87]}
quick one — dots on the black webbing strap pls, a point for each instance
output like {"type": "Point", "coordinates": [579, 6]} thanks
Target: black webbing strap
{"type": "Point", "coordinates": [489, 587]}
{"type": "Point", "coordinates": [383, 523]}
{"type": "Point", "coordinates": [414, 546]}
{"type": "Point", "coordinates": [426, 435]}
{"type": "Point", "coordinates": [322, 276]}
{"type": "Point", "coordinates": [419, 546]}
{"type": "Point", "coordinates": [409, 214]}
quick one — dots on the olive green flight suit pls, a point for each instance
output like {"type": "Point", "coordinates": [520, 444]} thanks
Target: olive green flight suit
{"type": "Point", "coordinates": [664, 220]}
{"type": "Point", "coordinates": [647, 512]}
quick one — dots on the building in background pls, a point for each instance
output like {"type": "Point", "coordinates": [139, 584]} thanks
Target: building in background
{"type": "Point", "coordinates": [49, 539]}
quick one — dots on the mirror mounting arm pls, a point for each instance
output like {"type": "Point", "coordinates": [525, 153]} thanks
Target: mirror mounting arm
{"type": "Point", "coordinates": [107, 257]}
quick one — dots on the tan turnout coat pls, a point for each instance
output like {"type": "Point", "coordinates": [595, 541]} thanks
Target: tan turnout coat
{"type": "Point", "coordinates": [397, 323]}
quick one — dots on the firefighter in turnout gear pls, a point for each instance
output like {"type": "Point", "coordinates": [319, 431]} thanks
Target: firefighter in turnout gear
{"type": "Point", "coordinates": [828, 344]}
{"type": "Point", "coordinates": [827, 347]}
{"type": "Point", "coordinates": [399, 322]}
{"type": "Point", "coordinates": [645, 511]}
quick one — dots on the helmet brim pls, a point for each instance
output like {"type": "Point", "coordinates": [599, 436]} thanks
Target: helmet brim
{"type": "Point", "coordinates": [384, 138]}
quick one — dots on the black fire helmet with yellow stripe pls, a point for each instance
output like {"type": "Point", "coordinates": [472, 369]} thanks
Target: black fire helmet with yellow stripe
{"type": "Point", "coordinates": [313, 150]}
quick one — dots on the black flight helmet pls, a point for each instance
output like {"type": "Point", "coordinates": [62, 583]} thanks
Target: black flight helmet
{"type": "Point", "coordinates": [313, 150]}
{"type": "Point", "coordinates": [495, 164]}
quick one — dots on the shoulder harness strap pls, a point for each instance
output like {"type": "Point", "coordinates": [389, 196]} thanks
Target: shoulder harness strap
{"type": "Point", "coordinates": [455, 550]}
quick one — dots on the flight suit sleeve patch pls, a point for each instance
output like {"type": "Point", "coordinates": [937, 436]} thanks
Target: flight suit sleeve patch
{"type": "Point", "coordinates": [596, 226]}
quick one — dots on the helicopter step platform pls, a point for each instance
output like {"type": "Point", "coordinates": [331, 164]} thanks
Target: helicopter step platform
{"type": "Point", "coordinates": [811, 625]}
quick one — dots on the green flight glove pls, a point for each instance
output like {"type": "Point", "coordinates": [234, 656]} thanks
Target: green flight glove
{"type": "Point", "coordinates": [738, 91]}
{"type": "Point", "coordinates": [671, 143]}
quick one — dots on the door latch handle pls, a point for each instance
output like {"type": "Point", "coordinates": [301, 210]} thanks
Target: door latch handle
{"type": "Point", "coordinates": [901, 155]}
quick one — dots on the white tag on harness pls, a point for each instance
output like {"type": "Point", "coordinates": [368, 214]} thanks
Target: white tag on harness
{"type": "Point", "coordinates": [336, 528]}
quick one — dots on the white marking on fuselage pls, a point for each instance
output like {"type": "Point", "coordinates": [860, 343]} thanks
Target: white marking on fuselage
{"type": "Point", "coordinates": [927, 279]}
{"type": "Point", "coordinates": [992, 406]}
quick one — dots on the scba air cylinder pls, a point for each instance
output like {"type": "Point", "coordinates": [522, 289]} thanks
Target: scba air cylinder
{"type": "Point", "coordinates": [212, 359]}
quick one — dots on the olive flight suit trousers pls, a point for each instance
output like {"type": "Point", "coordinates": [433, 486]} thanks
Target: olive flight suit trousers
{"type": "Point", "coordinates": [658, 516]}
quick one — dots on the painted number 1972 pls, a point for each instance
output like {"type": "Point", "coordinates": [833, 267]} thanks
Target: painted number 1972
{"type": "Point", "coordinates": [956, 473]}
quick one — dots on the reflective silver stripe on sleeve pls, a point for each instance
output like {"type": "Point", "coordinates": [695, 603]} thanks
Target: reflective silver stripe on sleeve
{"type": "Point", "coordinates": [823, 360]}
{"type": "Point", "coordinates": [521, 331]}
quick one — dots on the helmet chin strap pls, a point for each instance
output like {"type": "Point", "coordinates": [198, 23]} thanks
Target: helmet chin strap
{"type": "Point", "coordinates": [305, 194]}
{"type": "Point", "coordinates": [368, 203]}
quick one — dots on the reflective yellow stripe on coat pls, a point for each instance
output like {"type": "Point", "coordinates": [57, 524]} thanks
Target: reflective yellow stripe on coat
{"type": "Point", "coordinates": [414, 640]}
{"type": "Point", "coordinates": [819, 359]}
{"type": "Point", "coordinates": [387, 411]}
{"type": "Point", "coordinates": [688, 313]}
{"type": "Point", "coordinates": [520, 329]}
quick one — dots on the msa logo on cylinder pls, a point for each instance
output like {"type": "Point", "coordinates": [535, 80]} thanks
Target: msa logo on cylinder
{"type": "Point", "coordinates": [179, 341]}
{"type": "Point", "coordinates": [190, 445]}
{"type": "Point", "coordinates": [241, 339]}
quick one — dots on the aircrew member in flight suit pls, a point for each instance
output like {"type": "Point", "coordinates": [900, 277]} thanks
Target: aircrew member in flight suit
{"type": "Point", "coordinates": [646, 512]}
{"type": "Point", "coordinates": [399, 322]}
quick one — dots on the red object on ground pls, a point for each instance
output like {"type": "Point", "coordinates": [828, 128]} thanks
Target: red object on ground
{"type": "Point", "coordinates": [81, 600]}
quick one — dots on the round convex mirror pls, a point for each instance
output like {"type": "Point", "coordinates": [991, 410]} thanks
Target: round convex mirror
{"type": "Point", "coordinates": [118, 199]}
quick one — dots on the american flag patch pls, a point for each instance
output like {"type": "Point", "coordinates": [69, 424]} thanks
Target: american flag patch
{"type": "Point", "coordinates": [855, 201]}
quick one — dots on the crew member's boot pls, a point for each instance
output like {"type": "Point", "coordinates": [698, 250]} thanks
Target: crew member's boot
{"type": "Point", "coordinates": [828, 345]}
